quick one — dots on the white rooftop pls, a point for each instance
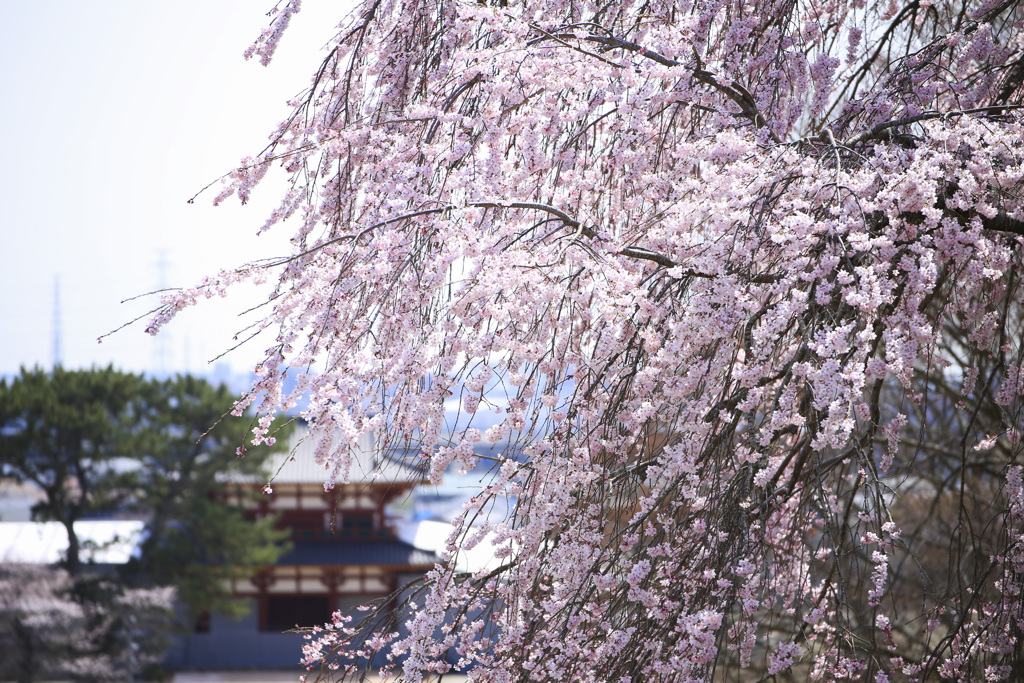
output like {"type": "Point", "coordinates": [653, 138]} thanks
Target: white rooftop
{"type": "Point", "coordinates": [433, 536]}
{"type": "Point", "coordinates": [103, 541]}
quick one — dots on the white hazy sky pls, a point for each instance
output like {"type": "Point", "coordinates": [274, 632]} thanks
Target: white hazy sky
{"type": "Point", "coordinates": [112, 114]}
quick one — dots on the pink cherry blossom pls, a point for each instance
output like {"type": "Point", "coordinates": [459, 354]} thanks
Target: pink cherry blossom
{"type": "Point", "coordinates": [740, 283]}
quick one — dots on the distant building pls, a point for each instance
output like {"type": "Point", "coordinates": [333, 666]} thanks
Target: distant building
{"type": "Point", "coordinates": [345, 553]}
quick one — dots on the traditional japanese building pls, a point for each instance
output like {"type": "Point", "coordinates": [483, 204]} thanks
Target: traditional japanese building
{"type": "Point", "coordinates": [345, 552]}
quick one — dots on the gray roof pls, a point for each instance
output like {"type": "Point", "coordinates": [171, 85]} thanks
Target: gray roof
{"type": "Point", "coordinates": [384, 553]}
{"type": "Point", "coordinates": [370, 463]}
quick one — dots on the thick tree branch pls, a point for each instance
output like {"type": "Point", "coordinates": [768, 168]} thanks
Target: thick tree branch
{"type": "Point", "coordinates": [1000, 222]}
{"type": "Point", "coordinates": [734, 91]}
{"type": "Point", "coordinates": [879, 131]}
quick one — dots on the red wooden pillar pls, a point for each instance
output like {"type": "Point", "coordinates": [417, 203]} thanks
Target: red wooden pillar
{"type": "Point", "coordinates": [263, 581]}
{"type": "Point", "coordinates": [330, 578]}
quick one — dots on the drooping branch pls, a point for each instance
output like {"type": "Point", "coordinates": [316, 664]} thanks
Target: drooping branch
{"type": "Point", "coordinates": [567, 220]}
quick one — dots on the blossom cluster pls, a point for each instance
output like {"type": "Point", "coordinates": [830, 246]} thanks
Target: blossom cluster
{"type": "Point", "coordinates": [678, 257]}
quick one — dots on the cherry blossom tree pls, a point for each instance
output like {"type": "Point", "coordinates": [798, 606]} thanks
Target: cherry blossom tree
{"type": "Point", "coordinates": [709, 263]}
{"type": "Point", "coordinates": [53, 627]}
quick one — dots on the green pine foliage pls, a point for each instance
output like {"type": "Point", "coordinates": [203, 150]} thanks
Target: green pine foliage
{"type": "Point", "coordinates": [101, 442]}
{"type": "Point", "coordinates": [65, 431]}
{"type": "Point", "coordinates": [197, 539]}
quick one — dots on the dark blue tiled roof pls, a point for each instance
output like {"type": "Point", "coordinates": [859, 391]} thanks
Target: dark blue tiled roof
{"type": "Point", "coordinates": [355, 553]}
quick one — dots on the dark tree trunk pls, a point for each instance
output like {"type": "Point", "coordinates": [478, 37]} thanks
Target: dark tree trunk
{"type": "Point", "coordinates": [73, 563]}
